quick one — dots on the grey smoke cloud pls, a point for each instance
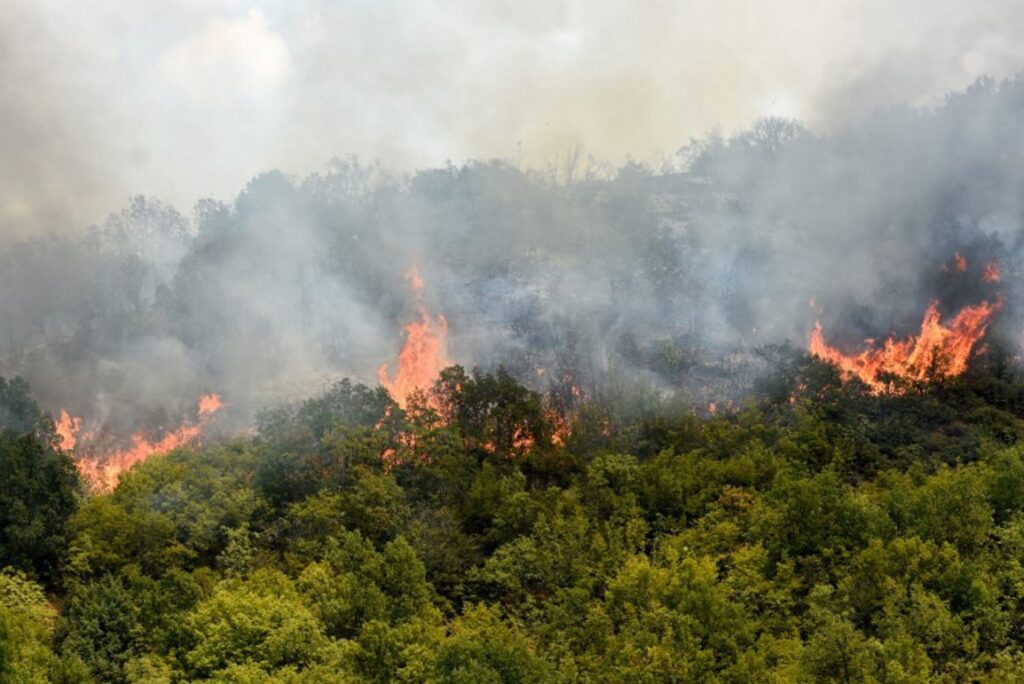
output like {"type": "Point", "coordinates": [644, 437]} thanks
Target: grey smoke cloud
{"type": "Point", "coordinates": [563, 256]}
{"type": "Point", "coordinates": [191, 98]}
{"type": "Point", "coordinates": [672, 279]}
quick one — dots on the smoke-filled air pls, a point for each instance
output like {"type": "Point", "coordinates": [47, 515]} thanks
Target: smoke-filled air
{"type": "Point", "coordinates": [480, 344]}
{"type": "Point", "coordinates": [671, 279]}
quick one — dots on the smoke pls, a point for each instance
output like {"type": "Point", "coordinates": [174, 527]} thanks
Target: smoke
{"type": "Point", "coordinates": [187, 99]}
{"type": "Point", "coordinates": [674, 277]}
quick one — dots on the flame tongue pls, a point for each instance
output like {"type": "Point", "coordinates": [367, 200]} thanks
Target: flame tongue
{"type": "Point", "coordinates": [423, 355]}
{"type": "Point", "coordinates": [68, 429]}
{"type": "Point", "coordinates": [939, 351]}
{"type": "Point", "coordinates": [209, 404]}
{"type": "Point", "coordinates": [103, 469]}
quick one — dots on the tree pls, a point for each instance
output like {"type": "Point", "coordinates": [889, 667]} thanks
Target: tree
{"type": "Point", "coordinates": [26, 629]}
{"type": "Point", "coordinates": [261, 621]}
{"type": "Point", "coordinates": [484, 648]}
{"type": "Point", "coordinates": [39, 489]}
{"type": "Point", "coordinates": [101, 626]}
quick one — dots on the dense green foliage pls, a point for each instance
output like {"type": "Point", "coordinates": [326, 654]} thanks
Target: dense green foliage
{"type": "Point", "coordinates": [818, 534]}
{"type": "Point", "coordinates": [38, 486]}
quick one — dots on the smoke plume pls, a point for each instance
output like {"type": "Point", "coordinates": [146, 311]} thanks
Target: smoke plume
{"type": "Point", "coordinates": [675, 276]}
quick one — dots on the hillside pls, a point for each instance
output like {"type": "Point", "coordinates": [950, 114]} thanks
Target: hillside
{"type": "Point", "coordinates": [820, 533]}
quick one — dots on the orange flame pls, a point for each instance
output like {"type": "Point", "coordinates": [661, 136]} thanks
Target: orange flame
{"type": "Point", "coordinates": [102, 470]}
{"type": "Point", "coordinates": [209, 404]}
{"type": "Point", "coordinates": [991, 273]}
{"type": "Point", "coordinates": [522, 441]}
{"type": "Point", "coordinates": [68, 428]}
{"type": "Point", "coordinates": [561, 426]}
{"type": "Point", "coordinates": [939, 351]}
{"type": "Point", "coordinates": [959, 264]}
{"type": "Point", "coordinates": [423, 355]}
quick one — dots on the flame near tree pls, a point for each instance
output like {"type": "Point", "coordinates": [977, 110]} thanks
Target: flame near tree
{"type": "Point", "coordinates": [422, 358]}
{"type": "Point", "coordinates": [103, 468]}
{"type": "Point", "coordinates": [423, 354]}
{"type": "Point", "coordinates": [69, 429]}
{"type": "Point", "coordinates": [939, 351]}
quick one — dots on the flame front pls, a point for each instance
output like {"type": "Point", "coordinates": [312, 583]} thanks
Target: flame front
{"type": "Point", "coordinates": [423, 355]}
{"type": "Point", "coordinates": [102, 470]}
{"type": "Point", "coordinates": [939, 351]}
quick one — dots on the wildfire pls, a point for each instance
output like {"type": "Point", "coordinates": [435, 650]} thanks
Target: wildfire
{"type": "Point", "coordinates": [411, 384]}
{"type": "Point", "coordinates": [423, 355]}
{"type": "Point", "coordinates": [959, 264]}
{"type": "Point", "coordinates": [561, 427]}
{"type": "Point", "coordinates": [522, 441]}
{"type": "Point", "coordinates": [102, 469]}
{"type": "Point", "coordinates": [68, 429]}
{"type": "Point", "coordinates": [209, 404]}
{"type": "Point", "coordinates": [991, 272]}
{"type": "Point", "coordinates": [938, 351]}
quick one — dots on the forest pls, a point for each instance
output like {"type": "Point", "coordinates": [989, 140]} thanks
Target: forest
{"type": "Point", "coordinates": [504, 342]}
{"type": "Point", "coordinates": [677, 424]}
{"type": "Point", "coordinates": [821, 531]}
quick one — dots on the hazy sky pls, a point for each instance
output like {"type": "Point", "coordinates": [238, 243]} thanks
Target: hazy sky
{"type": "Point", "coordinates": [183, 99]}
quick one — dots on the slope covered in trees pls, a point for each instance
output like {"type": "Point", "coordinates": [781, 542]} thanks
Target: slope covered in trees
{"type": "Point", "coordinates": [821, 533]}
